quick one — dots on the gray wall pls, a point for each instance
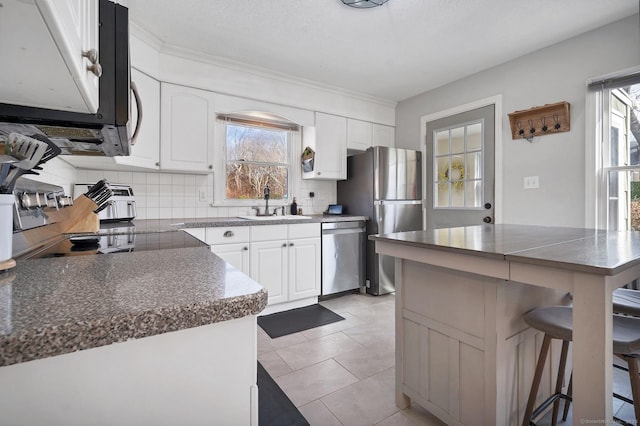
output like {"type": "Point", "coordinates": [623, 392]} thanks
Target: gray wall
{"type": "Point", "coordinates": [554, 74]}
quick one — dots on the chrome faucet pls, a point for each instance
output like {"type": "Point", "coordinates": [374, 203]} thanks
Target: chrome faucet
{"type": "Point", "coordinates": [266, 193]}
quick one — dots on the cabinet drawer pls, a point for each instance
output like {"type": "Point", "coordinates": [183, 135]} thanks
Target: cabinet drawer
{"type": "Point", "coordinates": [304, 230]}
{"type": "Point", "coordinates": [227, 235]}
{"type": "Point", "coordinates": [268, 232]}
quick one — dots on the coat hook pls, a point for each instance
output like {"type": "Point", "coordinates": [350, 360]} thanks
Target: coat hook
{"type": "Point", "coordinates": [544, 124]}
{"type": "Point", "coordinates": [520, 130]}
{"type": "Point", "coordinates": [532, 130]}
{"type": "Point", "coordinates": [557, 121]}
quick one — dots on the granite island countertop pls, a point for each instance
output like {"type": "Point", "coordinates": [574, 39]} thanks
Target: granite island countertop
{"type": "Point", "coordinates": [54, 306]}
{"type": "Point", "coordinates": [577, 249]}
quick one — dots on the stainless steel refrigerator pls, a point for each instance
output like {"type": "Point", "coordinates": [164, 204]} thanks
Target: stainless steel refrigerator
{"type": "Point", "coordinates": [384, 184]}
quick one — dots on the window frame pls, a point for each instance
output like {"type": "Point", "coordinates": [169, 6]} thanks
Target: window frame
{"type": "Point", "coordinates": [220, 171]}
{"type": "Point", "coordinates": [597, 170]}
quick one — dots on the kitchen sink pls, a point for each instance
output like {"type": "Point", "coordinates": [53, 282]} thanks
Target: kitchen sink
{"type": "Point", "coordinates": [291, 217]}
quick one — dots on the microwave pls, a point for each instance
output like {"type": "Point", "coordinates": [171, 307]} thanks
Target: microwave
{"type": "Point", "coordinates": [105, 133]}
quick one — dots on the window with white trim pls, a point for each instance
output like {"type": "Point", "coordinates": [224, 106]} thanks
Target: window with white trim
{"type": "Point", "coordinates": [617, 102]}
{"type": "Point", "coordinates": [257, 155]}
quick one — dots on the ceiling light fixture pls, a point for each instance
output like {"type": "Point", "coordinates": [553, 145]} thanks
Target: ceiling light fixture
{"type": "Point", "coordinates": [364, 4]}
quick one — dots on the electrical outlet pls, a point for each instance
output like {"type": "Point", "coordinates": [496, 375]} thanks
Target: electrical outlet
{"type": "Point", "coordinates": [202, 195]}
{"type": "Point", "coordinates": [531, 182]}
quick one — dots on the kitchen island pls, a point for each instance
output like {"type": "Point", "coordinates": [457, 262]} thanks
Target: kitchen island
{"type": "Point", "coordinates": [152, 337]}
{"type": "Point", "coordinates": [462, 349]}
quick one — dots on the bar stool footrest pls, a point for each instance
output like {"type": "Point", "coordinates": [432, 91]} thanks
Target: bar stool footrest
{"type": "Point", "coordinates": [623, 398]}
{"type": "Point", "coordinates": [545, 404]}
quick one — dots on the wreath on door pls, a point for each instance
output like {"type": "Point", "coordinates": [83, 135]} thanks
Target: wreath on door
{"type": "Point", "coordinates": [453, 173]}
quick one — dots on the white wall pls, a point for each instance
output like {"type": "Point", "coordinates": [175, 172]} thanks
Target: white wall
{"type": "Point", "coordinates": [554, 74]}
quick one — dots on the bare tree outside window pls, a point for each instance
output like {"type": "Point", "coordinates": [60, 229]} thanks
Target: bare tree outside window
{"type": "Point", "coordinates": [256, 158]}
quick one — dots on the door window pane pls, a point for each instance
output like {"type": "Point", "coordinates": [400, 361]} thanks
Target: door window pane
{"type": "Point", "coordinates": [441, 194]}
{"type": "Point", "coordinates": [458, 170]}
{"type": "Point", "coordinates": [473, 168]}
{"type": "Point", "coordinates": [457, 140]}
{"type": "Point", "coordinates": [474, 137]}
{"type": "Point", "coordinates": [442, 143]}
{"type": "Point", "coordinates": [473, 194]}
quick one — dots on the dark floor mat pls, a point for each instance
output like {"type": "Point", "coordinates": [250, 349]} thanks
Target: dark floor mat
{"type": "Point", "coordinates": [295, 320]}
{"type": "Point", "coordinates": [274, 407]}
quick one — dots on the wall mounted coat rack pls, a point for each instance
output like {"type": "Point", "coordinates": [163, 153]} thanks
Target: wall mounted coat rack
{"type": "Point", "coordinates": [540, 121]}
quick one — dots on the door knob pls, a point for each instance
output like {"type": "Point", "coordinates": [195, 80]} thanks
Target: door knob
{"type": "Point", "coordinates": [487, 219]}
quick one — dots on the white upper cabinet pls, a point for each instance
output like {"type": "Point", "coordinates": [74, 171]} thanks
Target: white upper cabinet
{"type": "Point", "coordinates": [329, 141]}
{"type": "Point", "coordinates": [48, 66]}
{"type": "Point", "coordinates": [383, 135]}
{"type": "Point", "coordinates": [145, 152]}
{"type": "Point", "coordinates": [187, 129]}
{"type": "Point", "coordinates": [359, 134]}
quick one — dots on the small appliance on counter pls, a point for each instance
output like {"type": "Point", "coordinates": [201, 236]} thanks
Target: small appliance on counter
{"type": "Point", "coordinates": [120, 207]}
{"type": "Point", "coordinates": [333, 210]}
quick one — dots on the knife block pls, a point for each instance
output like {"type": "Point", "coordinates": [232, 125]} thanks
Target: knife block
{"type": "Point", "coordinates": [77, 218]}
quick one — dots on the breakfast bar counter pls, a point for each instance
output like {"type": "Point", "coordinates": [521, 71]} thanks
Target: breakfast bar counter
{"type": "Point", "coordinates": [462, 349]}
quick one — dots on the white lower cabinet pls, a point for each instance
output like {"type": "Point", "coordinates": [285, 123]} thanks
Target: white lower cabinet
{"type": "Point", "coordinates": [236, 255]}
{"type": "Point", "coordinates": [289, 268]}
{"type": "Point", "coordinates": [269, 267]}
{"type": "Point", "coordinates": [304, 268]}
{"type": "Point", "coordinates": [231, 243]}
{"type": "Point", "coordinates": [284, 259]}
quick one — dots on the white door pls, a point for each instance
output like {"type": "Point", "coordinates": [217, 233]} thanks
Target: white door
{"type": "Point", "coordinates": [304, 268]}
{"type": "Point", "coordinates": [459, 168]}
{"type": "Point", "coordinates": [269, 268]}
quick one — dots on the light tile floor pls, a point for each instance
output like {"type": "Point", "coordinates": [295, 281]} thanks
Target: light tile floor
{"type": "Point", "coordinates": [343, 373]}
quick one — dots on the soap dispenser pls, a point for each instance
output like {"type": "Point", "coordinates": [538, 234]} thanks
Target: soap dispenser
{"type": "Point", "coordinates": [294, 207]}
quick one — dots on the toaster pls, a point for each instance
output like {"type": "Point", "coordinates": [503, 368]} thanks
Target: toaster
{"type": "Point", "coordinates": [121, 206]}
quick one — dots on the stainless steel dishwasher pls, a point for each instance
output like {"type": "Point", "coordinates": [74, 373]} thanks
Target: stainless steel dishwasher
{"type": "Point", "coordinates": [343, 246]}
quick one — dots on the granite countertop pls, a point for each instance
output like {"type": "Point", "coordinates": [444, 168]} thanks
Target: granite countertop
{"type": "Point", "coordinates": [576, 249]}
{"type": "Point", "coordinates": [59, 305]}
{"type": "Point", "coordinates": [52, 306]}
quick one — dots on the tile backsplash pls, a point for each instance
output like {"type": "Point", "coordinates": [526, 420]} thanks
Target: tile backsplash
{"type": "Point", "coordinates": [176, 195]}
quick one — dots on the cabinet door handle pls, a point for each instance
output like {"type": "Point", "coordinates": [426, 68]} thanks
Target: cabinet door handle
{"type": "Point", "coordinates": [245, 248]}
{"type": "Point", "coordinates": [228, 234]}
{"type": "Point", "coordinates": [284, 244]}
{"type": "Point", "coordinates": [96, 69]}
{"type": "Point", "coordinates": [91, 55]}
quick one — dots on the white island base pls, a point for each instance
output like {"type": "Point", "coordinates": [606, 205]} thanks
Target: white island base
{"type": "Point", "coordinates": [199, 376]}
{"type": "Point", "coordinates": [463, 351]}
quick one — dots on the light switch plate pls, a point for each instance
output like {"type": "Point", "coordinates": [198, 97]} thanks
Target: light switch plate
{"type": "Point", "coordinates": [531, 182]}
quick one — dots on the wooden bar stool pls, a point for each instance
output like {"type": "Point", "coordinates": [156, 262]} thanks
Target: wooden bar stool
{"type": "Point", "coordinates": [556, 322]}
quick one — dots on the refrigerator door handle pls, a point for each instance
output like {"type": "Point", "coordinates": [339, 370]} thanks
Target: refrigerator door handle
{"type": "Point", "coordinates": [388, 202]}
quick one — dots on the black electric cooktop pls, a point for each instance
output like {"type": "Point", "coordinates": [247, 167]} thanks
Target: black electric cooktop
{"type": "Point", "coordinates": [116, 241]}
